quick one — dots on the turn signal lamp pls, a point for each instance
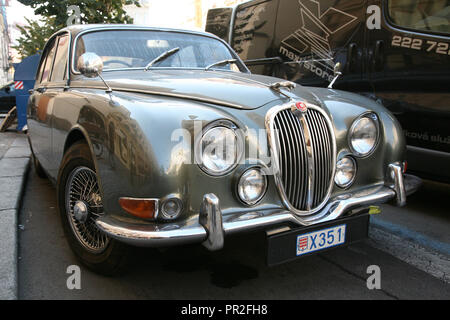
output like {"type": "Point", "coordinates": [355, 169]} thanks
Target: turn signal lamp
{"type": "Point", "coordinates": [140, 207]}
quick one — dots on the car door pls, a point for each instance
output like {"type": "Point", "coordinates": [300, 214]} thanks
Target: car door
{"type": "Point", "coordinates": [60, 103]}
{"type": "Point", "coordinates": [40, 108]}
{"type": "Point", "coordinates": [312, 36]}
{"type": "Point", "coordinates": [410, 73]}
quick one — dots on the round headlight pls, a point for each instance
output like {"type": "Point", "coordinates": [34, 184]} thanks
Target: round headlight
{"type": "Point", "coordinates": [219, 150]}
{"type": "Point", "coordinates": [252, 186]}
{"type": "Point", "coordinates": [345, 172]}
{"type": "Point", "coordinates": [364, 134]}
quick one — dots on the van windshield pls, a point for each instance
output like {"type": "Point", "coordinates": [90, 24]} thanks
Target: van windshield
{"type": "Point", "coordinates": [122, 49]}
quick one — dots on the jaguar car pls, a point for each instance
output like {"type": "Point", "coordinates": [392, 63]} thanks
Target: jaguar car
{"type": "Point", "coordinates": [161, 137]}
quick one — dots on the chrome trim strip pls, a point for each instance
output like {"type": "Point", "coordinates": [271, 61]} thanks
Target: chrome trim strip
{"type": "Point", "coordinates": [310, 161]}
{"type": "Point", "coordinates": [274, 148]}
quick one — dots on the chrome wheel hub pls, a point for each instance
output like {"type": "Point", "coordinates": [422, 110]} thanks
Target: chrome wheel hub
{"type": "Point", "coordinates": [80, 211]}
{"type": "Point", "coordinates": [83, 207]}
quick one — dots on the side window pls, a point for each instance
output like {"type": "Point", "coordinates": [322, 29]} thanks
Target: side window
{"type": "Point", "coordinates": [41, 69]}
{"type": "Point", "coordinates": [218, 22]}
{"type": "Point", "coordinates": [253, 31]}
{"type": "Point", "coordinates": [421, 15]}
{"type": "Point", "coordinates": [59, 66]}
{"type": "Point", "coordinates": [48, 63]}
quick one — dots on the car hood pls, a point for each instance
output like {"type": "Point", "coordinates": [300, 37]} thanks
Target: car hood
{"type": "Point", "coordinates": [238, 90]}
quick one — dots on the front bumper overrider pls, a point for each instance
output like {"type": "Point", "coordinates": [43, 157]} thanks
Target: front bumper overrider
{"type": "Point", "coordinates": [210, 227]}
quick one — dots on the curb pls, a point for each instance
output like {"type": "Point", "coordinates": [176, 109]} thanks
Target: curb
{"type": "Point", "coordinates": [14, 168]}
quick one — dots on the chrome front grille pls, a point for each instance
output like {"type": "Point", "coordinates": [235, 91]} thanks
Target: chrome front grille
{"type": "Point", "coordinates": [304, 146]}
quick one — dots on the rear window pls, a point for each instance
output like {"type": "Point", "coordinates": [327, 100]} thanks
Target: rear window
{"type": "Point", "coordinates": [421, 15]}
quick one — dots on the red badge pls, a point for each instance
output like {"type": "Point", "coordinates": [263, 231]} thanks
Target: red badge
{"type": "Point", "coordinates": [301, 106]}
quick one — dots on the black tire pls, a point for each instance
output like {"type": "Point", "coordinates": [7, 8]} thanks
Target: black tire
{"type": "Point", "coordinates": [111, 257]}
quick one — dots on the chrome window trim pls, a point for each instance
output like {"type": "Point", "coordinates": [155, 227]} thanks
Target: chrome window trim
{"type": "Point", "coordinates": [140, 28]}
{"type": "Point", "coordinates": [274, 147]}
{"type": "Point", "coordinates": [55, 35]}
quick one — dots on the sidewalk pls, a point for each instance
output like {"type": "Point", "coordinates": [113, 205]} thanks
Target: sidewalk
{"type": "Point", "coordinates": [14, 163]}
{"type": "Point", "coordinates": [418, 233]}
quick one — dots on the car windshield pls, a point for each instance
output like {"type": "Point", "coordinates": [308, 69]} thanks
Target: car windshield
{"type": "Point", "coordinates": [121, 49]}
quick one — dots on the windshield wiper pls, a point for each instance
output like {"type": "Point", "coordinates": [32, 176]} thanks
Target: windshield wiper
{"type": "Point", "coordinates": [161, 57]}
{"type": "Point", "coordinates": [221, 63]}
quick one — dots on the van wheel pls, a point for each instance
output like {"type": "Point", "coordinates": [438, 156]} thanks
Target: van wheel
{"type": "Point", "coordinates": [80, 205]}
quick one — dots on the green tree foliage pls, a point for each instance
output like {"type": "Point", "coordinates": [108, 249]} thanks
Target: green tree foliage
{"type": "Point", "coordinates": [36, 33]}
{"type": "Point", "coordinates": [33, 36]}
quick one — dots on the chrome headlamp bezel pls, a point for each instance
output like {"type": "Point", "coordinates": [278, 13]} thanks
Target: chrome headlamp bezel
{"type": "Point", "coordinates": [239, 146]}
{"type": "Point", "coordinates": [375, 120]}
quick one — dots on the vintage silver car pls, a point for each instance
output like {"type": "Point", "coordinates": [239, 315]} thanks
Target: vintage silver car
{"type": "Point", "coordinates": [160, 137]}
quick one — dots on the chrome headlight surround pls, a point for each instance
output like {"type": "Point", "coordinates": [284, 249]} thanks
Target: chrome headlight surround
{"type": "Point", "coordinates": [209, 133]}
{"type": "Point", "coordinates": [357, 127]}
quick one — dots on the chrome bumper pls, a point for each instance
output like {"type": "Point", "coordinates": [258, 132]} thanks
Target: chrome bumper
{"type": "Point", "coordinates": [211, 226]}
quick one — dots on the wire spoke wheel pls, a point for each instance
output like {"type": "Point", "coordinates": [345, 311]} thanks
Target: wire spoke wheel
{"type": "Point", "coordinates": [83, 207]}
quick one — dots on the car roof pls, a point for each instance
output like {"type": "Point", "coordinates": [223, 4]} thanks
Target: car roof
{"type": "Point", "coordinates": [74, 30]}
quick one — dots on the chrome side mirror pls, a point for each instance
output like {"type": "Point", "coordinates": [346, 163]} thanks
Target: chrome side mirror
{"type": "Point", "coordinates": [90, 65]}
{"type": "Point", "coordinates": [338, 69]}
{"type": "Point", "coordinates": [337, 73]}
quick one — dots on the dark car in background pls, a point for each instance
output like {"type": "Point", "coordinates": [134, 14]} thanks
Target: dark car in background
{"type": "Point", "coordinates": [395, 51]}
{"type": "Point", "coordinates": [7, 97]}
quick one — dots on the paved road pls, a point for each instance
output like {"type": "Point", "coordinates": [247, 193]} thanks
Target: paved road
{"type": "Point", "coordinates": [237, 272]}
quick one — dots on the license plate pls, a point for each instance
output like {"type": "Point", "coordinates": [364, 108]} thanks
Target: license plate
{"type": "Point", "coordinates": [321, 239]}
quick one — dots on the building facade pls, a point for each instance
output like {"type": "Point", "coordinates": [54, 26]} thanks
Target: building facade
{"type": "Point", "coordinates": [4, 45]}
{"type": "Point", "coordinates": [186, 14]}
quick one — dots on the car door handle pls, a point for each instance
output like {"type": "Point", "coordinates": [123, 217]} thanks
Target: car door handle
{"type": "Point", "coordinates": [378, 56]}
{"type": "Point", "coordinates": [351, 57]}
{"type": "Point", "coordinates": [41, 90]}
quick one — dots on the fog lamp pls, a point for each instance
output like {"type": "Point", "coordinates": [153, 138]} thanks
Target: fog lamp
{"type": "Point", "coordinates": [252, 186]}
{"type": "Point", "coordinates": [171, 208]}
{"type": "Point", "coordinates": [345, 172]}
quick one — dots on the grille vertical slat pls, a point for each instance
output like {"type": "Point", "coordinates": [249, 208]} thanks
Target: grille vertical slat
{"type": "Point", "coordinates": [294, 160]}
